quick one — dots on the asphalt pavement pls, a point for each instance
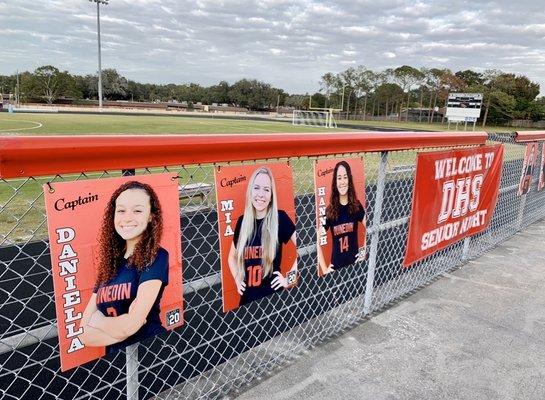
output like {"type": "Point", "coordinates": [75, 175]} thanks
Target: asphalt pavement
{"type": "Point", "coordinates": [475, 333]}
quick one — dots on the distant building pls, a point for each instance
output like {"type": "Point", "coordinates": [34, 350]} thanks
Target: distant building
{"type": "Point", "coordinates": [418, 114]}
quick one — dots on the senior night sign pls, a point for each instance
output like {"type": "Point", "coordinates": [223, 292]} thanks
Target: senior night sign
{"type": "Point", "coordinates": [454, 197]}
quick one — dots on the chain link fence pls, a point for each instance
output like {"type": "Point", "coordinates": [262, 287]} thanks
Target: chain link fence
{"type": "Point", "coordinates": [216, 353]}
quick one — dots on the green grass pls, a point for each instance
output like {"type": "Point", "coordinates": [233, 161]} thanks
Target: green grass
{"type": "Point", "coordinates": [435, 127]}
{"type": "Point", "coordinates": [84, 124]}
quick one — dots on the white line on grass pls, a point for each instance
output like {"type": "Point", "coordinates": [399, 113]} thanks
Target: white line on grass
{"type": "Point", "coordinates": [38, 125]}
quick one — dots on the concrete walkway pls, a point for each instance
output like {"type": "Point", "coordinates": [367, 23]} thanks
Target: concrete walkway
{"type": "Point", "coordinates": [477, 333]}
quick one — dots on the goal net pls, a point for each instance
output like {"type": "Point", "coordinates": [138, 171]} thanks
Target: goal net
{"type": "Point", "coordinates": [314, 118]}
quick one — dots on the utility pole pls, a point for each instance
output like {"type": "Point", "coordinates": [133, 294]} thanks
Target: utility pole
{"type": "Point", "coordinates": [17, 91]}
{"type": "Point", "coordinates": [99, 2]}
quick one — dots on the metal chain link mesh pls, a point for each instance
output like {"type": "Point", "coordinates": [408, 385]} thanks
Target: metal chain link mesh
{"type": "Point", "coordinates": [215, 353]}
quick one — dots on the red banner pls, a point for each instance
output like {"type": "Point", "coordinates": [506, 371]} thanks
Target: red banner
{"type": "Point", "coordinates": [116, 260]}
{"type": "Point", "coordinates": [254, 200]}
{"type": "Point", "coordinates": [530, 161]}
{"type": "Point", "coordinates": [455, 193]}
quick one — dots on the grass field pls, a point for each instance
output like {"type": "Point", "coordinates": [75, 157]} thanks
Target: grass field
{"type": "Point", "coordinates": [436, 127]}
{"type": "Point", "coordinates": [85, 124]}
{"type": "Point", "coordinates": [22, 214]}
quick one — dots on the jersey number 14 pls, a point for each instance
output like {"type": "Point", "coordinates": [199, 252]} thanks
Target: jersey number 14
{"type": "Point", "coordinates": [343, 243]}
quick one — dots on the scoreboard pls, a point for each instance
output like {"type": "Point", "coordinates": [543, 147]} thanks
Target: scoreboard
{"type": "Point", "coordinates": [464, 107]}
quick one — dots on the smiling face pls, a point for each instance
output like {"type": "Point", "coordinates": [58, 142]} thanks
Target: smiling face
{"type": "Point", "coordinates": [342, 180]}
{"type": "Point", "coordinates": [132, 214]}
{"type": "Point", "coordinates": [261, 194]}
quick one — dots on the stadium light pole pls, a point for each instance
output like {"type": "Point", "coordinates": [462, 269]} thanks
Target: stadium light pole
{"type": "Point", "coordinates": [99, 2]}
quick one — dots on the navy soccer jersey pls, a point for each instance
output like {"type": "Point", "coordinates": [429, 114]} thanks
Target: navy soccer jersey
{"type": "Point", "coordinates": [116, 296]}
{"type": "Point", "coordinates": [344, 232]}
{"type": "Point", "coordinates": [257, 285]}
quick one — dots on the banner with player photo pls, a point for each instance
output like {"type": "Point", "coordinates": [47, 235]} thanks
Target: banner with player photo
{"type": "Point", "coordinates": [340, 213]}
{"type": "Point", "coordinates": [117, 264]}
{"type": "Point", "coordinates": [454, 196]}
{"type": "Point", "coordinates": [541, 183]}
{"type": "Point", "coordinates": [530, 161]}
{"type": "Point", "coordinates": [256, 220]}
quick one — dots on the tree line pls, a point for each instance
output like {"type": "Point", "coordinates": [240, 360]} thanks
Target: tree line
{"type": "Point", "coordinates": [358, 91]}
{"type": "Point", "coordinates": [396, 90]}
{"type": "Point", "coordinates": [48, 84]}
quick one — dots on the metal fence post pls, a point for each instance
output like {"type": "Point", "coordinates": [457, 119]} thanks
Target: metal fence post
{"type": "Point", "coordinates": [132, 372]}
{"type": "Point", "coordinates": [377, 214]}
{"type": "Point", "coordinates": [521, 211]}
{"type": "Point", "coordinates": [465, 251]}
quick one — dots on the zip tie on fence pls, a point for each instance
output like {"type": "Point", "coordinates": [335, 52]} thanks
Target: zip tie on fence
{"type": "Point", "coordinates": [51, 189]}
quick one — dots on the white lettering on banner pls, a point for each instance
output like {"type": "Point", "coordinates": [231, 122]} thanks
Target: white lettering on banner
{"type": "Point", "coordinates": [460, 197]}
{"type": "Point", "coordinates": [451, 230]}
{"type": "Point", "coordinates": [68, 267]}
{"type": "Point", "coordinates": [322, 234]}
{"type": "Point", "coordinates": [227, 205]}
{"type": "Point", "coordinates": [69, 280]}
{"type": "Point", "coordinates": [489, 158]}
{"type": "Point", "coordinates": [447, 201]}
{"type": "Point", "coordinates": [476, 186]}
{"type": "Point", "coordinates": [473, 221]}
{"type": "Point", "coordinates": [449, 167]}
{"type": "Point", "coordinates": [441, 234]}
{"type": "Point", "coordinates": [65, 235]}
{"type": "Point", "coordinates": [461, 205]}
{"type": "Point", "coordinates": [67, 252]}
{"type": "Point", "coordinates": [70, 317]}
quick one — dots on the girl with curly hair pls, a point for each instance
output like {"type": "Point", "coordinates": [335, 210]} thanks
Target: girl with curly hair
{"type": "Point", "coordinates": [132, 271]}
{"type": "Point", "coordinates": [343, 215]}
{"type": "Point", "coordinates": [255, 255]}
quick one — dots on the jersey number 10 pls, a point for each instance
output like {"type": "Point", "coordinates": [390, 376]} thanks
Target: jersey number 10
{"type": "Point", "coordinates": [255, 275]}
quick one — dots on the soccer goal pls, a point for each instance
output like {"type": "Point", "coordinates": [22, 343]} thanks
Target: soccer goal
{"type": "Point", "coordinates": [323, 118]}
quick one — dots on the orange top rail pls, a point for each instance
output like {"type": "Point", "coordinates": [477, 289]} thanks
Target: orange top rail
{"type": "Point", "coordinates": [529, 136]}
{"type": "Point", "coordinates": [24, 156]}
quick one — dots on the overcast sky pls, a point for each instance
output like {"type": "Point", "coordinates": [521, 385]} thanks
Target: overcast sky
{"type": "Point", "coordinates": [289, 44]}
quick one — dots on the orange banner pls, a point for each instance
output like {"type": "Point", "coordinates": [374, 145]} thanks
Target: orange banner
{"type": "Point", "coordinates": [340, 213]}
{"type": "Point", "coordinates": [530, 161]}
{"type": "Point", "coordinates": [454, 196]}
{"type": "Point", "coordinates": [256, 220]}
{"type": "Point", "coordinates": [116, 259]}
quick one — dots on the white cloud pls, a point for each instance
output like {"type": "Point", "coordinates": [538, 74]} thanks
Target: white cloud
{"type": "Point", "coordinates": [288, 43]}
{"type": "Point", "coordinates": [276, 52]}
